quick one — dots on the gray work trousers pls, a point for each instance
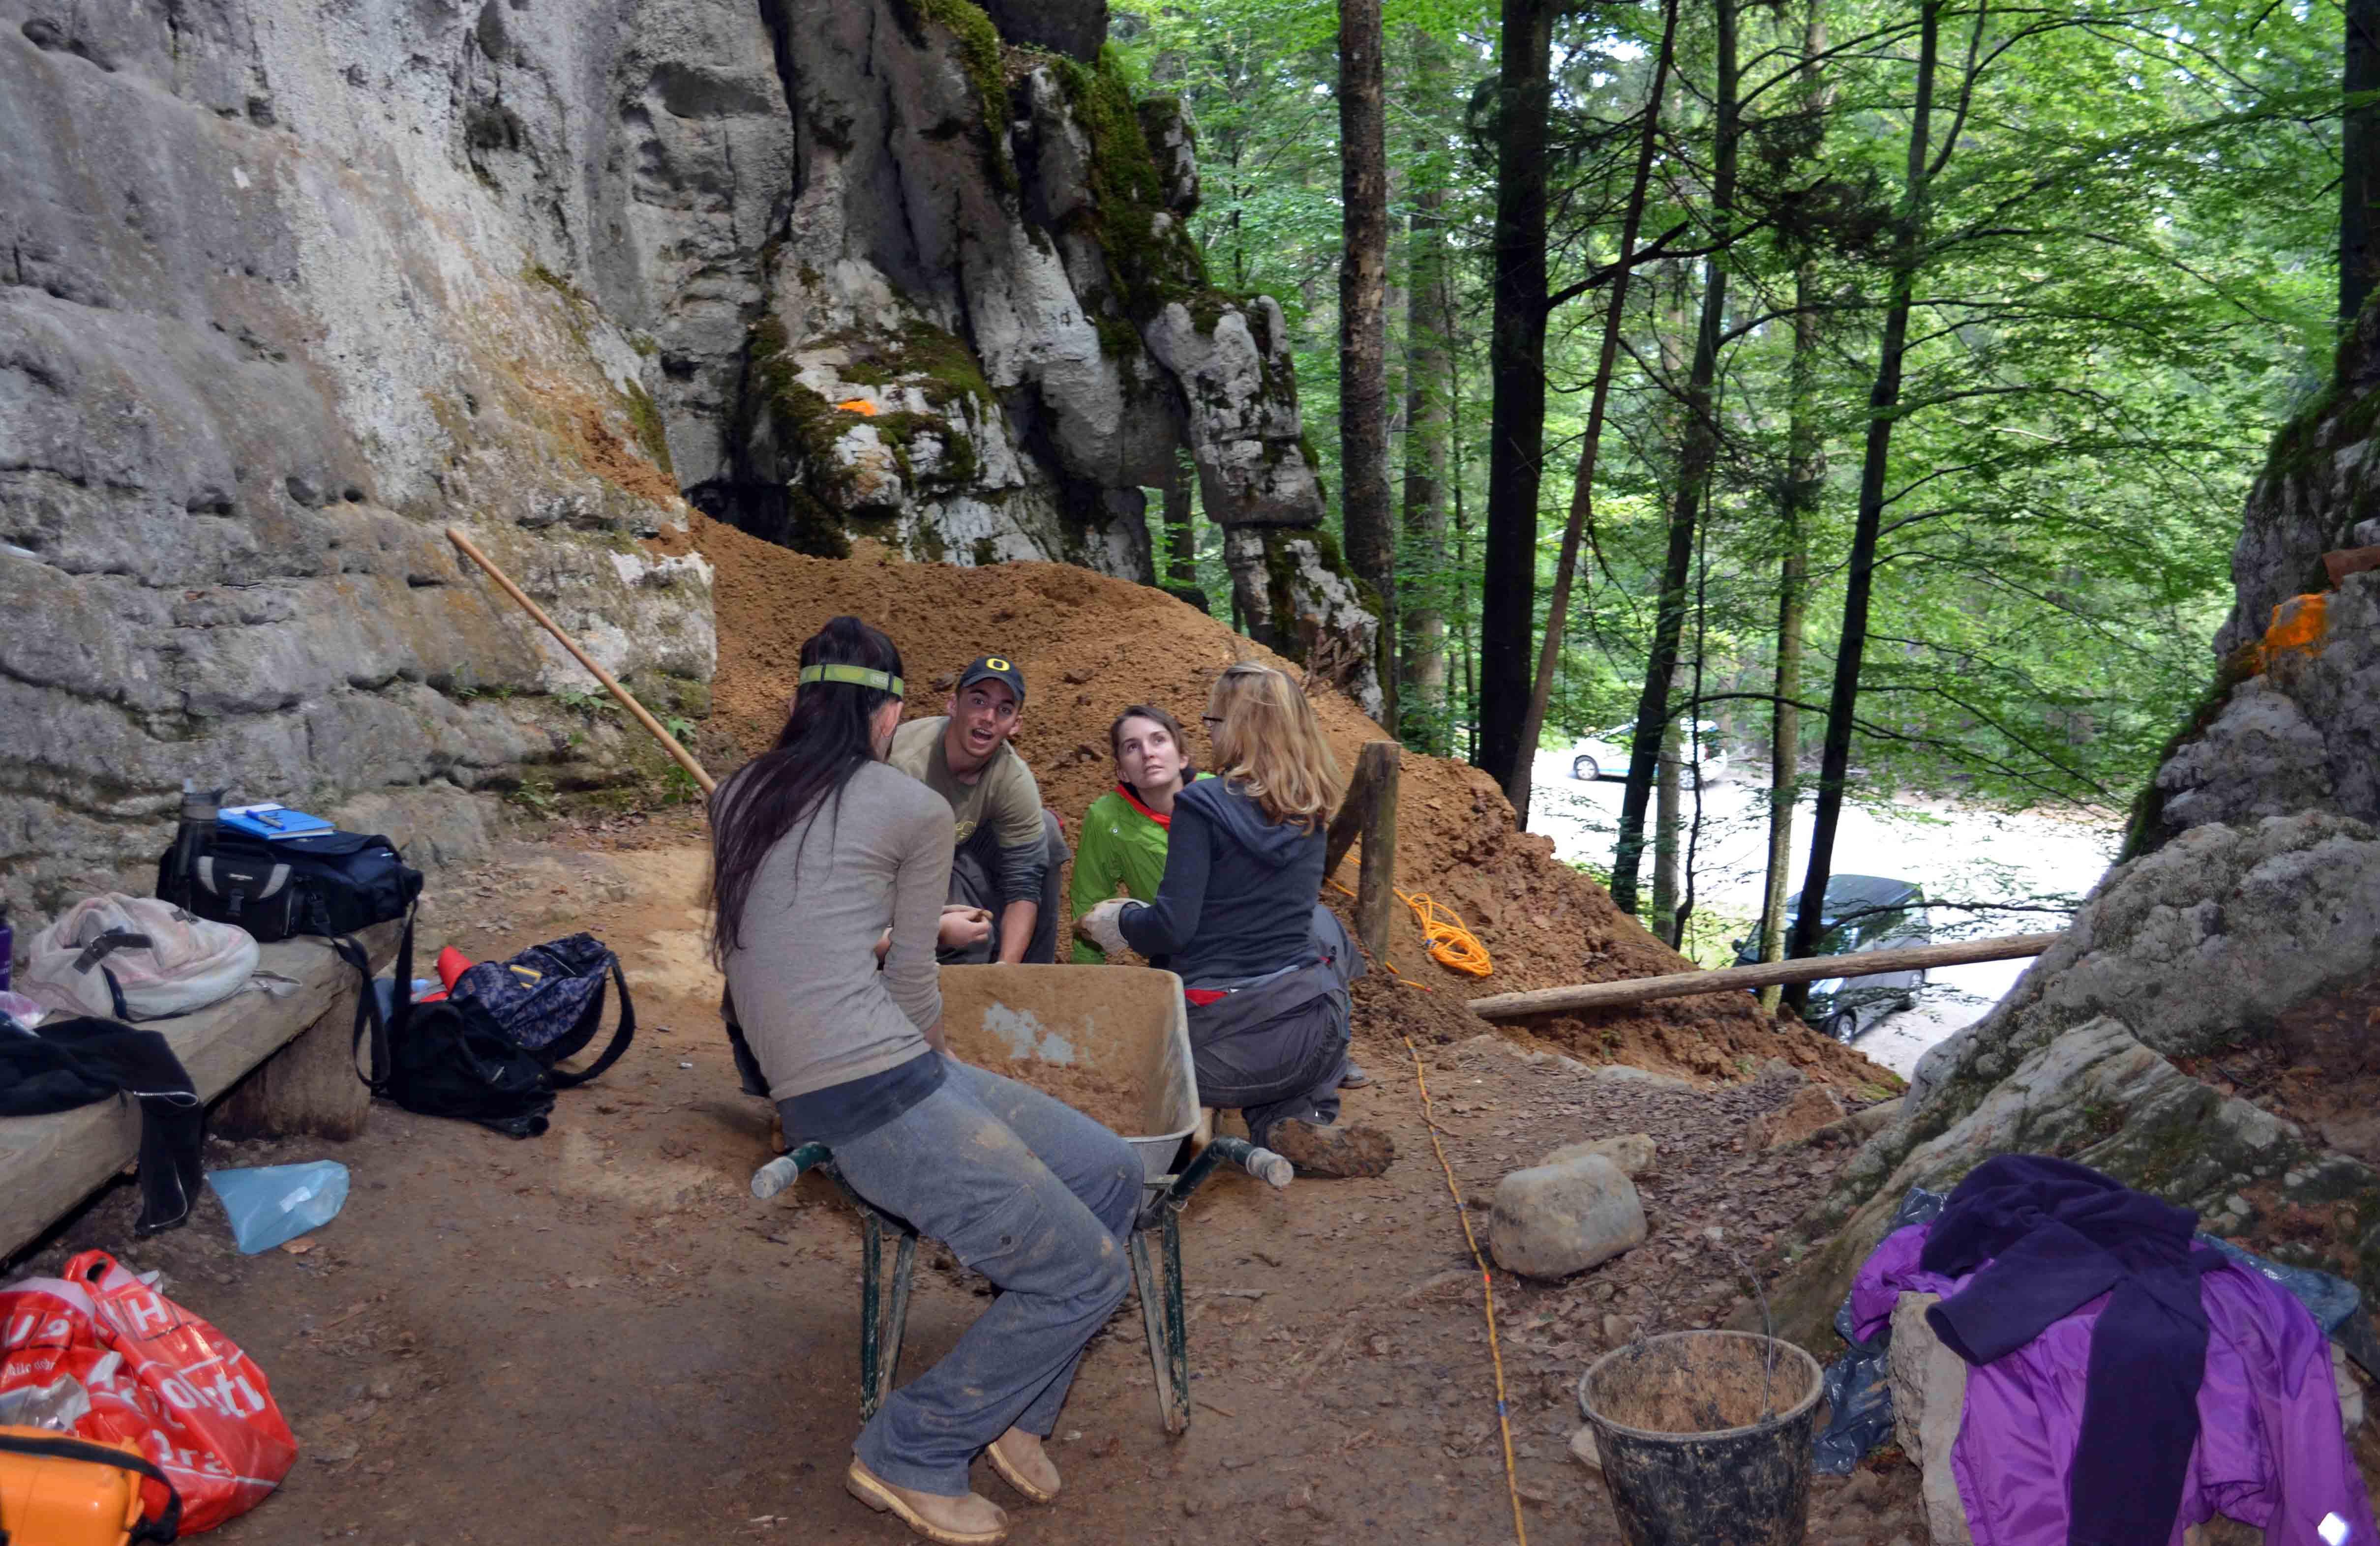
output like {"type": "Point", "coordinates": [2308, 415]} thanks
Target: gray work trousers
{"type": "Point", "coordinates": [1038, 1198]}
{"type": "Point", "coordinates": [1275, 1049]}
{"type": "Point", "coordinates": [975, 882]}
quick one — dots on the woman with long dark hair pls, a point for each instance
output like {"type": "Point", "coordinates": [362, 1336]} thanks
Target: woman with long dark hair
{"type": "Point", "coordinates": [817, 847]}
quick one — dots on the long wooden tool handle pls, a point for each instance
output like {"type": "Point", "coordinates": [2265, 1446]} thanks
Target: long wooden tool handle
{"type": "Point", "coordinates": [626, 699]}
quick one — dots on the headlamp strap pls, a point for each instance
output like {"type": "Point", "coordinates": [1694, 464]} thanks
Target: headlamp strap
{"type": "Point", "coordinates": [858, 676]}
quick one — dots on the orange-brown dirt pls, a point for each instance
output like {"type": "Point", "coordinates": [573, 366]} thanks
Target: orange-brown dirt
{"type": "Point", "coordinates": [1089, 645]}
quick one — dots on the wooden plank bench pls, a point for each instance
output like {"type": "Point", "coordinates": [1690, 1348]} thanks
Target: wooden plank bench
{"type": "Point", "coordinates": [282, 1065]}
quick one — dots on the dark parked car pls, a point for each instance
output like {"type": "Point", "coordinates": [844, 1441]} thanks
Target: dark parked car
{"type": "Point", "coordinates": [1863, 912]}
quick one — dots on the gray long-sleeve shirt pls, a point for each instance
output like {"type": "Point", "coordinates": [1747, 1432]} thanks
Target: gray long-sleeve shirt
{"type": "Point", "coordinates": [813, 1005]}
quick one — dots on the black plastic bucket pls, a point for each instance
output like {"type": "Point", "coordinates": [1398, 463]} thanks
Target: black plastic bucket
{"type": "Point", "coordinates": [1704, 1437]}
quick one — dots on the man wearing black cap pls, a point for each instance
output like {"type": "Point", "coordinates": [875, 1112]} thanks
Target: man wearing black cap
{"type": "Point", "coordinates": [1010, 849]}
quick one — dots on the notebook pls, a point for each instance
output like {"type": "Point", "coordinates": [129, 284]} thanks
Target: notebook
{"type": "Point", "coordinates": [272, 821]}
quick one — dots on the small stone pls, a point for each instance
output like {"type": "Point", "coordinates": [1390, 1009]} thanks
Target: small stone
{"type": "Point", "coordinates": [1812, 1107]}
{"type": "Point", "coordinates": [1618, 1329]}
{"type": "Point", "coordinates": [1632, 1153]}
{"type": "Point", "coordinates": [1581, 1447]}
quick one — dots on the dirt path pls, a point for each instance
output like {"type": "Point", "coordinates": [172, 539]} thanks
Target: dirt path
{"type": "Point", "coordinates": [598, 1335]}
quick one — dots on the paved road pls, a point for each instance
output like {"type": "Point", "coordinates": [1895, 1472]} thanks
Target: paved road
{"type": "Point", "coordinates": [1958, 854]}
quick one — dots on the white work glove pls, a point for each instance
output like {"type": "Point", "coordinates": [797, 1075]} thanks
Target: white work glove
{"type": "Point", "coordinates": [1102, 925]}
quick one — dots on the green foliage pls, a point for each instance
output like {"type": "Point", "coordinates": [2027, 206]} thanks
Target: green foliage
{"type": "Point", "coordinates": [2127, 263]}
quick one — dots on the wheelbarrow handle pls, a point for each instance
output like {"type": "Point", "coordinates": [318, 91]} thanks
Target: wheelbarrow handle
{"type": "Point", "coordinates": [785, 1169]}
{"type": "Point", "coordinates": [1266, 1167]}
{"type": "Point", "coordinates": [1241, 1154]}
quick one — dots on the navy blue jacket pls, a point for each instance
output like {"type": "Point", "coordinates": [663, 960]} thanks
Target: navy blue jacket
{"type": "Point", "coordinates": [1238, 896]}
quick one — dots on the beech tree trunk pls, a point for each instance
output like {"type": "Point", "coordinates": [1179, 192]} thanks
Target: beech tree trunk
{"type": "Point", "coordinates": [1181, 542]}
{"type": "Point", "coordinates": [1698, 449]}
{"type": "Point", "coordinates": [1582, 489]}
{"type": "Point", "coordinates": [1806, 477]}
{"type": "Point", "coordinates": [1363, 325]}
{"type": "Point", "coordinates": [2359, 145]}
{"type": "Point", "coordinates": [1666, 819]}
{"type": "Point", "coordinates": [1516, 369]}
{"type": "Point", "coordinates": [1884, 403]}
{"type": "Point", "coordinates": [1427, 359]}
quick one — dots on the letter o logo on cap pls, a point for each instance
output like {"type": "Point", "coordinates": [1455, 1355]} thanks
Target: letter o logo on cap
{"type": "Point", "coordinates": [996, 663]}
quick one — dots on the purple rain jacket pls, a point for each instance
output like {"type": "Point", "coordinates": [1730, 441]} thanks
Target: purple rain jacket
{"type": "Point", "coordinates": [2268, 1452]}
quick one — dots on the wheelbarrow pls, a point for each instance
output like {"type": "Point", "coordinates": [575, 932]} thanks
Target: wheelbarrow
{"type": "Point", "coordinates": [1128, 1022]}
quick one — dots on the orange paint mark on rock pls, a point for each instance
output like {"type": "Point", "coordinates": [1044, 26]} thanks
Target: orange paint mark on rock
{"type": "Point", "coordinates": [2299, 625]}
{"type": "Point", "coordinates": [858, 406]}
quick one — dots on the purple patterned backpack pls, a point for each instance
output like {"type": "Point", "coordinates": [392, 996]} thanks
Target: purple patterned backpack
{"type": "Point", "coordinates": [549, 998]}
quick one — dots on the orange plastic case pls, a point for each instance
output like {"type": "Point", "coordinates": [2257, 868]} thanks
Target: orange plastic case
{"type": "Point", "coordinates": [67, 1502]}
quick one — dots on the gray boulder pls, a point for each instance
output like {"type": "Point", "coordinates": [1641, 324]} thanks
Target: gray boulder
{"type": "Point", "coordinates": [1553, 1220]}
{"type": "Point", "coordinates": [2200, 945]}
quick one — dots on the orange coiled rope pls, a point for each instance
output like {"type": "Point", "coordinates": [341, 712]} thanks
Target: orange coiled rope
{"type": "Point", "coordinates": [1452, 945]}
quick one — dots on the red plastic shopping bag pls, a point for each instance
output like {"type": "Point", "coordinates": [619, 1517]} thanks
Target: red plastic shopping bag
{"type": "Point", "coordinates": [155, 1374]}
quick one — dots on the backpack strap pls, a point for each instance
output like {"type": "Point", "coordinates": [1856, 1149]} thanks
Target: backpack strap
{"type": "Point", "coordinates": [164, 1528]}
{"type": "Point", "coordinates": [368, 1020]}
{"type": "Point", "coordinates": [620, 1037]}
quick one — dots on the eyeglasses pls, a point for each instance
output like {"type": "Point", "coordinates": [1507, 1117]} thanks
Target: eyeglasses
{"type": "Point", "coordinates": [1212, 719]}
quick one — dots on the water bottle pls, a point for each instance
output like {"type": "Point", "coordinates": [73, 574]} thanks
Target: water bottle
{"type": "Point", "coordinates": [194, 836]}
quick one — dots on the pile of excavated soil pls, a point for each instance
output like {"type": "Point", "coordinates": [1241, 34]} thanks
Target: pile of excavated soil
{"type": "Point", "coordinates": [1089, 645]}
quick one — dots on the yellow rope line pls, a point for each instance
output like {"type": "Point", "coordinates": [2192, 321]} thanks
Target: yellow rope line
{"type": "Point", "coordinates": [1486, 1284]}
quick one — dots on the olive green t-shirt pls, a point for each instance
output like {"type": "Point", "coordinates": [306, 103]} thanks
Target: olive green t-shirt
{"type": "Point", "coordinates": [1006, 799]}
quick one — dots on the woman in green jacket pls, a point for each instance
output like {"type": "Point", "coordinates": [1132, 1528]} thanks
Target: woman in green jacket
{"type": "Point", "coordinates": [1124, 830]}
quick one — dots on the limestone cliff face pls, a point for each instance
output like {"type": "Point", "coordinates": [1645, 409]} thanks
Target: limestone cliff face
{"type": "Point", "coordinates": [286, 289]}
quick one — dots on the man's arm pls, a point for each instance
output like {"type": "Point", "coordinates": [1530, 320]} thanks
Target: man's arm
{"type": "Point", "coordinates": [1015, 811]}
{"type": "Point", "coordinates": [1017, 920]}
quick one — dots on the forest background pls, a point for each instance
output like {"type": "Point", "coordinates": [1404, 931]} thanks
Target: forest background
{"type": "Point", "coordinates": [1903, 367]}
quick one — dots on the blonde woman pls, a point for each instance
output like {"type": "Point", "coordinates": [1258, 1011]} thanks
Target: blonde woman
{"type": "Point", "coordinates": [1263, 965]}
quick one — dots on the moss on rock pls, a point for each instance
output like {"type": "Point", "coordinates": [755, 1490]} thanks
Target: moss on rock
{"type": "Point", "coordinates": [979, 57]}
{"type": "Point", "coordinates": [1151, 256]}
{"type": "Point", "coordinates": [650, 433]}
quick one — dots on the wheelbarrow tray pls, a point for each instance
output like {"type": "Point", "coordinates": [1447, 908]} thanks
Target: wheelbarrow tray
{"type": "Point", "coordinates": [1128, 1022]}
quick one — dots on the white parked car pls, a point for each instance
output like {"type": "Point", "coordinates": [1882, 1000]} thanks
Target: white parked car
{"type": "Point", "coordinates": [1605, 755]}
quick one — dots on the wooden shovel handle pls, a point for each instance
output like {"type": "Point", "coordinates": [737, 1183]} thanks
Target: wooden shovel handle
{"type": "Point", "coordinates": [625, 698]}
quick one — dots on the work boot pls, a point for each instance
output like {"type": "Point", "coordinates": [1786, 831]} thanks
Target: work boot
{"type": "Point", "coordinates": [1351, 1075]}
{"type": "Point", "coordinates": [969, 1519]}
{"type": "Point", "coordinates": [1024, 1465]}
{"type": "Point", "coordinates": [1331, 1151]}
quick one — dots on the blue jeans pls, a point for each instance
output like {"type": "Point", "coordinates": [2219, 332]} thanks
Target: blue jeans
{"type": "Point", "coordinates": [1038, 1198]}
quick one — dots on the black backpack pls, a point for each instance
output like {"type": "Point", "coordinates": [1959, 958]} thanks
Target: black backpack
{"type": "Point", "coordinates": [331, 884]}
{"type": "Point", "coordinates": [457, 1058]}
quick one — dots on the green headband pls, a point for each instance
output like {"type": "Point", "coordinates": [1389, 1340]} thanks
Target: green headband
{"type": "Point", "coordinates": [858, 676]}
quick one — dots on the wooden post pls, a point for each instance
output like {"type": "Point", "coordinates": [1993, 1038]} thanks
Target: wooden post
{"type": "Point", "coordinates": [1349, 822]}
{"type": "Point", "coordinates": [1376, 889]}
{"type": "Point", "coordinates": [1804, 969]}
